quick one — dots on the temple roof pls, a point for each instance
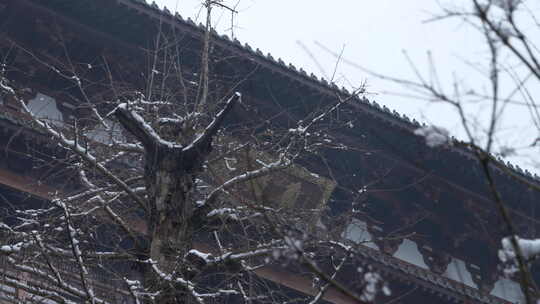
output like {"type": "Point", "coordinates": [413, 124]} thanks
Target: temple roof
{"type": "Point", "coordinates": [136, 13]}
{"type": "Point", "coordinates": [133, 21]}
{"type": "Point", "coordinates": [382, 112]}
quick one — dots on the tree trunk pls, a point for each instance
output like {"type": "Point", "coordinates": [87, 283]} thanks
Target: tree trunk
{"type": "Point", "coordinates": [170, 171]}
{"type": "Point", "coordinates": [170, 178]}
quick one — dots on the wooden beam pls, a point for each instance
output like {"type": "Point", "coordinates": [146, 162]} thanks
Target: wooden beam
{"type": "Point", "coordinates": [25, 184]}
{"type": "Point", "coordinates": [290, 280]}
{"type": "Point", "coordinates": [303, 285]}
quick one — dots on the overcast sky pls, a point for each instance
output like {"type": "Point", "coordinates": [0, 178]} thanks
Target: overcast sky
{"type": "Point", "coordinates": [373, 34]}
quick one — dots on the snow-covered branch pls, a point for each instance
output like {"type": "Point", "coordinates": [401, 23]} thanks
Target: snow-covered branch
{"type": "Point", "coordinates": [434, 136]}
{"type": "Point", "coordinates": [188, 285]}
{"type": "Point", "coordinates": [530, 250]}
{"type": "Point", "coordinates": [83, 273]}
{"type": "Point", "coordinates": [203, 141]}
{"type": "Point", "coordinates": [138, 127]}
{"type": "Point", "coordinates": [266, 169]}
{"type": "Point", "coordinates": [82, 152]}
{"type": "Point", "coordinates": [61, 290]}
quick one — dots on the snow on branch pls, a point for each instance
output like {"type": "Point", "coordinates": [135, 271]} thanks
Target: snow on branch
{"type": "Point", "coordinates": [209, 260]}
{"type": "Point", "coordinates": [266, 169]}
{"type": "Point", "coordinates": [302, 129]}
{"type": "Point", "coordinates": [169, 120]}
{"type": "Point", "coordinates": [434, 136]}
{"type": "Point", "coordinates": [190, 286]}
{"type": "Point", "coordinates": [134, 287]}
{"type": "Point", "coordinates": [105, 205]}
{"type": "Point", "coordinates": [83, 152]}
{"type": "Point", "coordinates": [83, 273]}
{"type": "Point", "coordinates": [138, 127]}
{"type": "Point", "coordinates": [128, 147]}
{"type": "Point", "coordinates": [35, 289]}
{"type": "Point", "coordinates": [202, 142]}
{"type": "Point", "coordinates": [530, 249]}
{"type": "Point", "coordinates": [324, 288]}
{"type": "Point", "coordinates": [224, 212]}
{"type": "Point", "coordinates": [60, 281]}
{"type": "Point", "coordinates": [62, 291]}
{"type": "Point", "coordinates": [11, 249]}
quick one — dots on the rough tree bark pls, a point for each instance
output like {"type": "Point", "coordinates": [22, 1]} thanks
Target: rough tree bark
{"type": "Point", "coordinates": [170, 171]}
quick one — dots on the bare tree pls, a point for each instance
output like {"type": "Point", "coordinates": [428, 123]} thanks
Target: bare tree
{"type": "Point", "coordinates": [170, 198]}
{"type": "Point", "coordinates": [510, 68]}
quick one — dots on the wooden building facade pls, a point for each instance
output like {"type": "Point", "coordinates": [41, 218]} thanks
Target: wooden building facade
{"type": "Point", "coordinates": [436, 198]}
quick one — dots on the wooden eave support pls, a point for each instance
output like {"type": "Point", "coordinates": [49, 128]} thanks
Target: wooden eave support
{"type": "Point", "coordinates": [436, 181]}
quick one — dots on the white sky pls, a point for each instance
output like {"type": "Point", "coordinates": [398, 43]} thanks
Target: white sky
{"type": "Point", "coordinates": [373, 34]}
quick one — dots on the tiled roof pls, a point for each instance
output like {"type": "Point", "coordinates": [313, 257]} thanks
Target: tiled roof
{"type": "Point", "coordinates": [371, 107]}
{"type": "Point", "coordinates": [269, 61]}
